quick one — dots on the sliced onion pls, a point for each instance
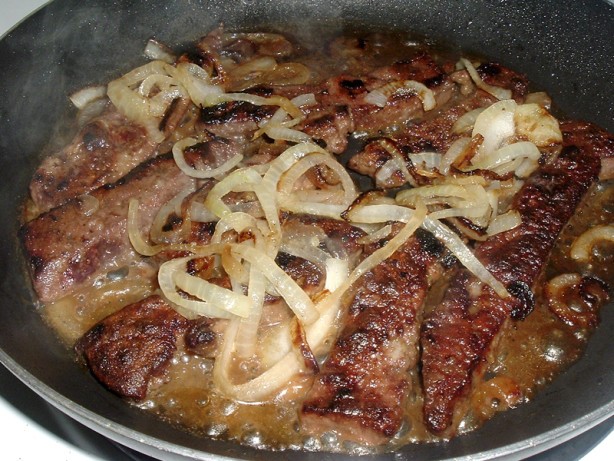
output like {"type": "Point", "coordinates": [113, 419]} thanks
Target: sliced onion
{"type": "Point", "coordinates": [504, 222]}
{"type": "Point", "coordinates": [87, 95]}
{"type": "Point", "coordinates": [223, 298]}
{"type": "Point", "coordinates": [466, 121]}
{"type": "Point", "coordinates": [495, 124]}
{"type": "Point", "coordinates": [157, 234]}
{"type": "Point", "coordinates": [536, 124]}
{"type": "Point", "coordinates": [430, 160]}
{"type": "Point", "coordinates": [140, 108]}
{"type": "Point", "coordinates": [282, 163]}
{"type": "Point", "coordinates": [247, 333]}
{"type": "Point", "coordinates": [464, 255]}
{"type": "Point", "coordinates": [327, 210]}
{"type": "Point", "coordinates": [237, 179]}
{"type": "Point", "coordinates": [134, 233]}
{"type": "Point", "coordinates": [253, 68]}
{"type": "Point", "coordinates": [379, 97]}
{"type": "Point", "coordinates": [396, 162]}
{"type": "Point", "coordinates": [287, 181]}
{"type": "Point", "coordinates": [306, 99]}
{"type": "Point", "coordinates": [179, 157]}
{"type": "Point", "coordinates": [456, 149]}
{"type": "Point", "coordinates": [189, 307]}
{"type": "Point", "coordinates": [412, 219]}
{"type": "Point", "coordinates": [509, 158]}
{"type": "Point", "coordinates": [337, 271]}
{"type": "Point", "coordinates": [282, 133]}
{"type": "Point", "coordinates": [256, 100]}
{"type": "Point", "coordinates": [157, 51]}
{"type": "Point", "coordinates": [295, 297]}
{"type": "Point", "coordinates": [263, 386]}
{"type": "Point", "coordinates": [197, 83]}
{"type": "Point", "coordinates": [583, 245]}
{"type": "Point", "coordinates": [376, 236]}
{"type": "Point", "coordinates": [199, 213]}
{"type": "Point", "coordinates": [539, 97]}
{"type": "Point", "coordinates": [497, 92]}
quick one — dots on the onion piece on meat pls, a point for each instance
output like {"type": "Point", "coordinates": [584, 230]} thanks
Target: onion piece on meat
{"type": "Point", "coordinates": [582, 246]}
{"type": "Point", "coordinates": [456, 150]}
{"type": "Point", "coordinates": [198, 83]}
{"type": "Point", "coordinates": [295, 297]}
{"type": "Point", "coordinates": [466, 121]}
{"type": "Point", "coordinates": [158, 234]}
{"type": "Point", "coordinates": [500, 160]}
{"type": "Point", "coordinates": [576, 300]}
{"type": "Point", "coordinates": [494, 124]}
{"type": "Point", "coordinates": [261, 387]}
{"type": "Point", "coordinates": [379, 97]}
{"type": "Point", "coordinates": [497, 92]}
{"type": "Point", "coordinates": [190, 308]}
{"type": "Point", "coordinates": [220, 297]}
{"type": "Point", "coordinates": [536, 124]}
{"type": "Point", "coordinates": [289, 200]}
{"type": "Point", "coordinates": [130, 94]}
{"type": "Point", "coordinates": [178, 155]}
{"type": "Point", "coordinates": [504, 222]}
{"type": "Point", "coordinates": [239, 180]}
{"type": "Point", "coordinates": [256, 100]}
{"type": "Point", "coordinates": [464, 255]}
{"type": "Point", "coordinates": [134, 233]}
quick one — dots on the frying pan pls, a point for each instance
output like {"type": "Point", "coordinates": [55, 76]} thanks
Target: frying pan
{"type": "Point", "coordinates": [565, 47]}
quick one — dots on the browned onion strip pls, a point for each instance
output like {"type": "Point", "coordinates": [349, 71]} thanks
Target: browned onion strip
{"type": "Point", "coordinates": [582, 246]}
{"type": "Point", "coordinates": [575, 300]}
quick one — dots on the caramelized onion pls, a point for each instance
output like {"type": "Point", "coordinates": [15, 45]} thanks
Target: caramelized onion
{"type": "Point", "coordinates": [576, 300]}
{"type": "Point", "coordinates": [379, 97]}
{"type": "Point", "coordinates": [582, 246]}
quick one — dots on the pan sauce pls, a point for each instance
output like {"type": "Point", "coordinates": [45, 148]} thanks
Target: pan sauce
{"type": "Point", "coordinates": [532, 351]}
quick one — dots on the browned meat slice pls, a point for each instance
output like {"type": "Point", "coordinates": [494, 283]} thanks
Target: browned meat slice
{"type": "Point", "coordinates": [401, 107]}
{"type": "Point", "coordinates": [498, 75]}
{"type": "Point", "coordinates": [594, 138]}
{"type": "Point", "coordinates": [458, 335]}
{"type": "Point", "coordinates": [127, 349]}
{"type": "Point", "coordinates": [330, 127]}
{"type": "Point", "coordinates": [72, 244]}
{"type": "Point", "coordinates": [433, 134]}
{"type": "Point", "coordinates": [365, 381]}
{"type": "Point", "coordinates": [234, 120]}
{"type": "Point", "coordinates": [103, 151]}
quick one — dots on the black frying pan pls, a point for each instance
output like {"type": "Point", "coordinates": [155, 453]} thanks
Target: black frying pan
{"type": "Point", "coordinates": [565, 47]}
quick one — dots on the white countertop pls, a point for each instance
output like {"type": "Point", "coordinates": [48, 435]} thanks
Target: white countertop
{"type": "Point", "coordinates": [36, 431]}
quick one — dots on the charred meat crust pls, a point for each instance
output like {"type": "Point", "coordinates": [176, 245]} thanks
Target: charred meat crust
{"type": "Point", "coordinates": [457, 335]}
{"type": "Point", "coordinates": [364, 381]}
{"type": "Point", "coordinates": [127, 349]}
{"type": "Point", "coordinates": [69, 246]}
